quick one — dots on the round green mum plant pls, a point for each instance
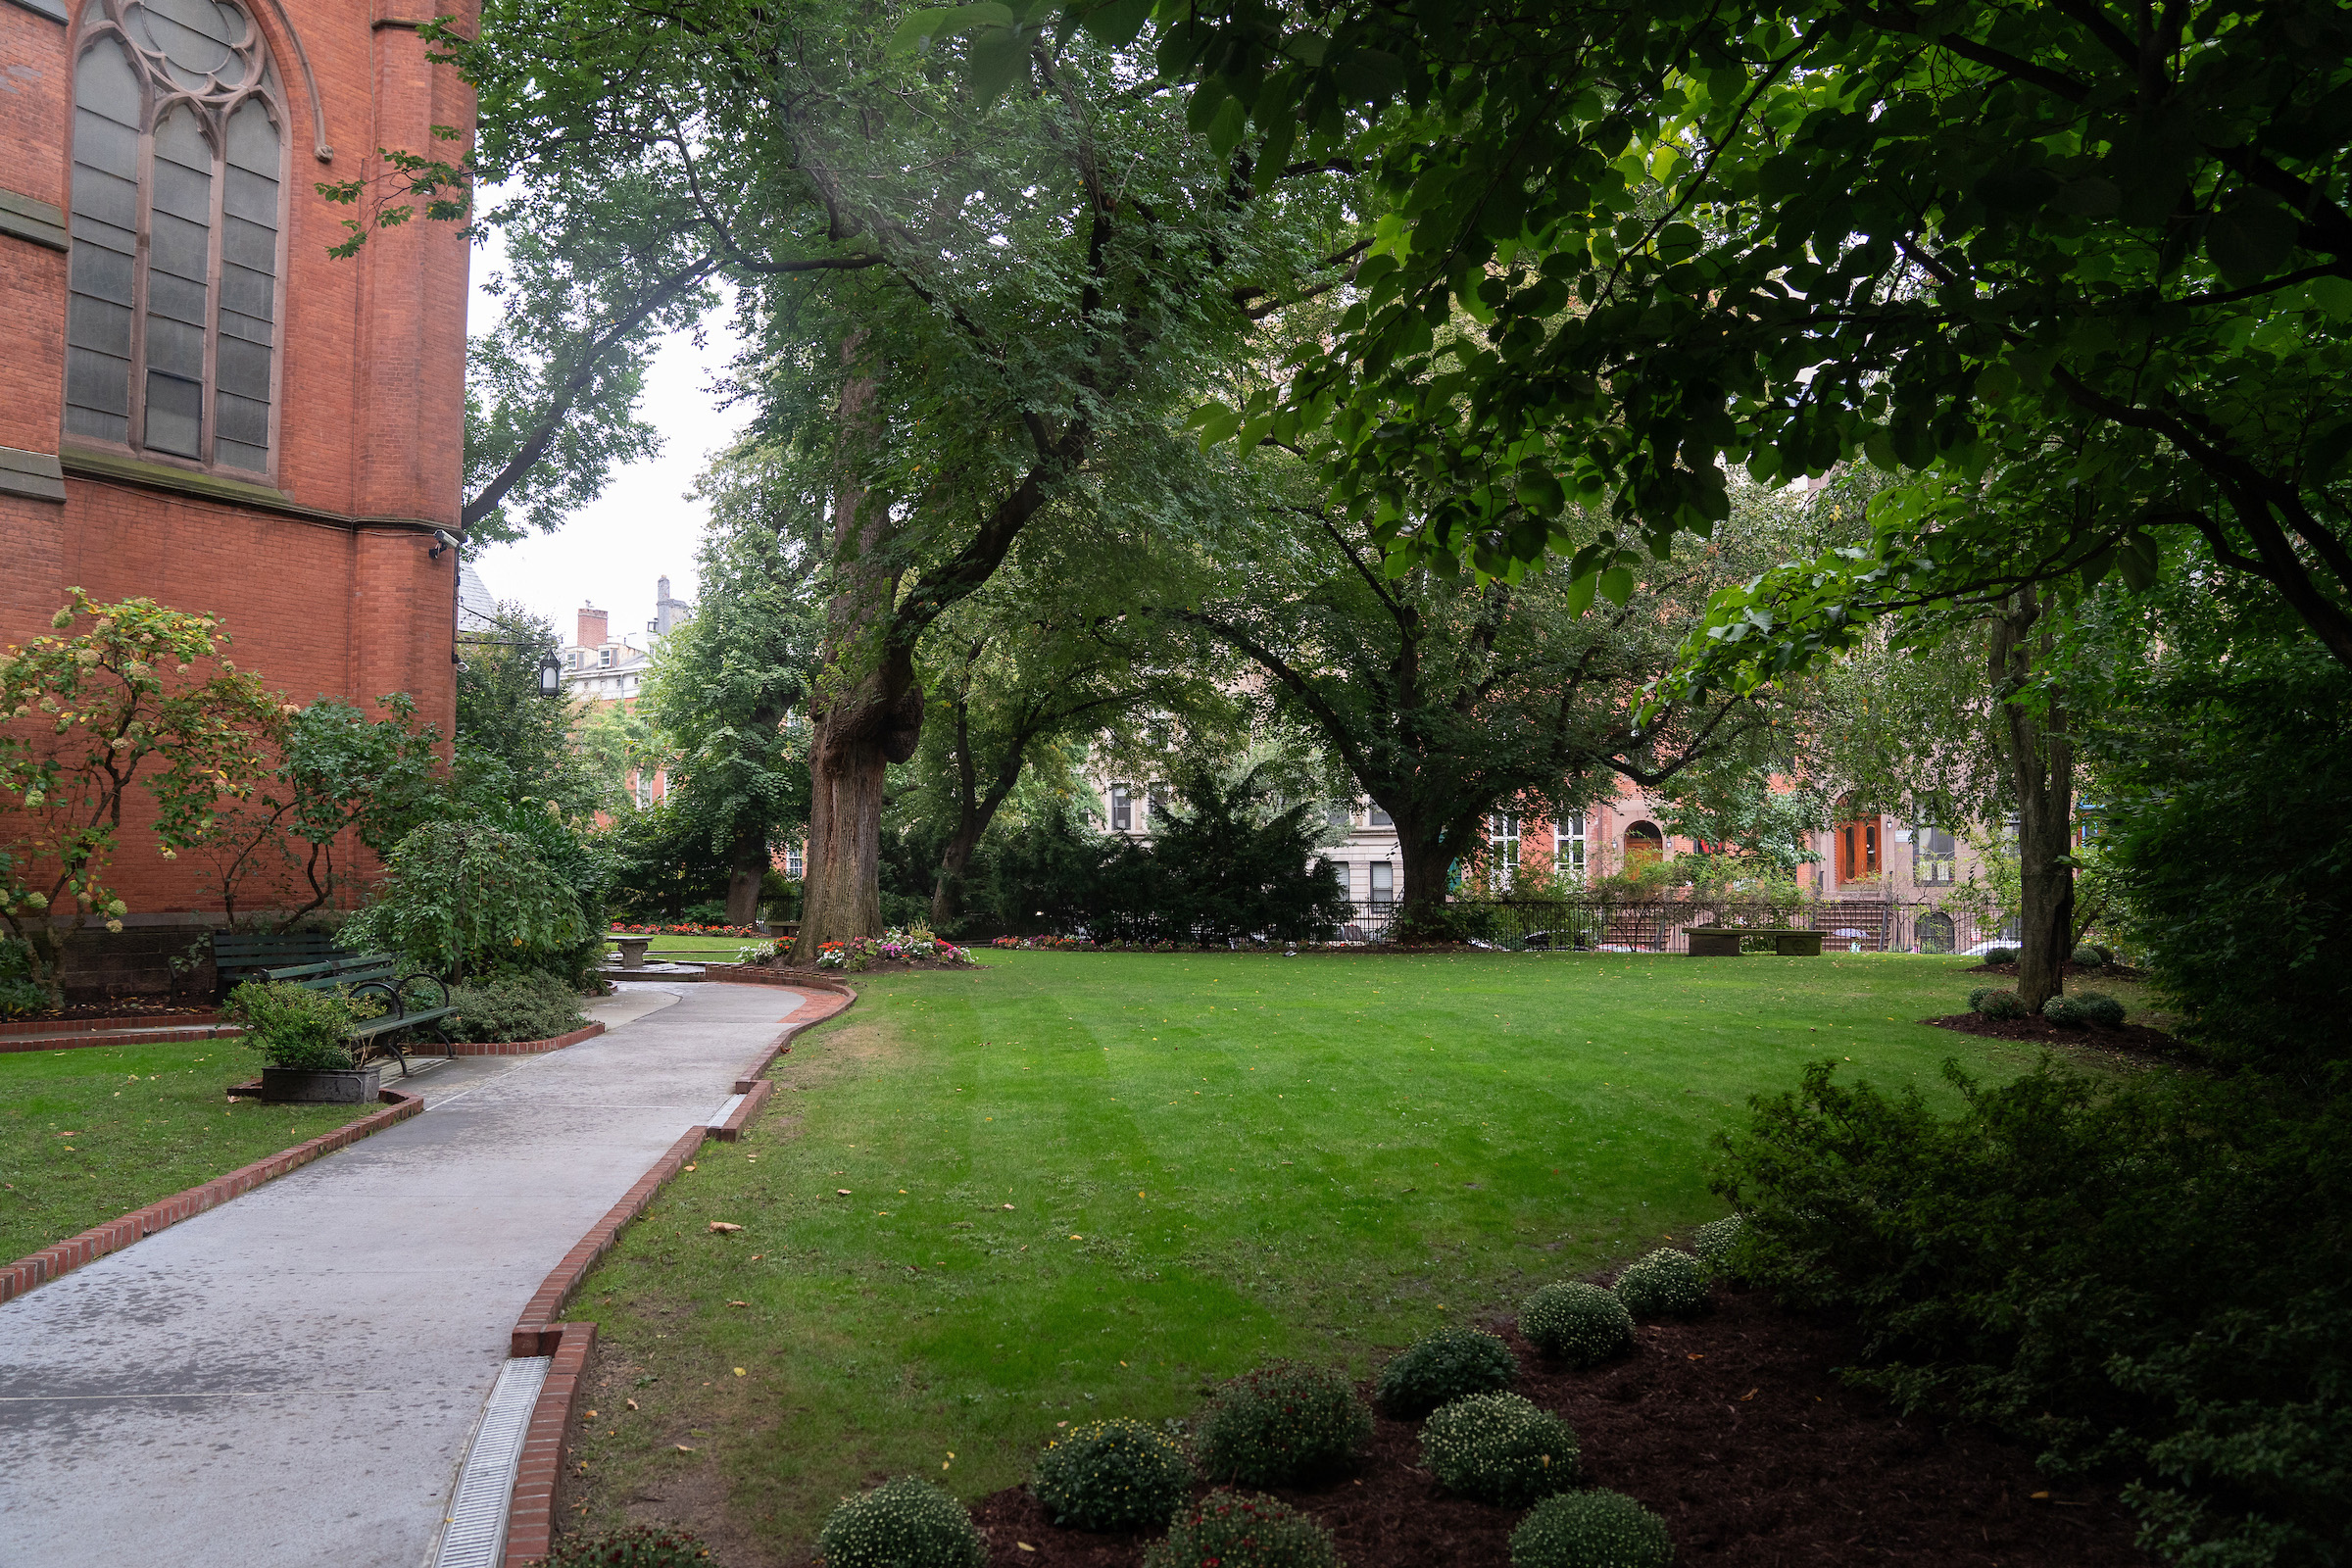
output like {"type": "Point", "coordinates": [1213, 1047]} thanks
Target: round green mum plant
{"type": "Point", "coordinates": [1713, 1241]}
{"type": "Point", "coordinates": [1283, 1425]}
{"type": "Point", "coordinates": [1992, 1002]}
{"type": "Point", "coordinates": [1590, 1530]}
{"type": "Point", "coordinates": [1243, 1529]}
{"type": "Point", "coordinates": [1664, 1284]}
{"type": "Point", "coordinates": [1578, 1323]}
{"type": "Point", "coordinates": [637, 1547]}
{"type": "Point", "coordinates": [1499, 1449]}
{"type": "Point", "coordinates": [1443, 1366]}
{"type": "Point", "coordinates": [906, 1523]}
{"type": "Point", "coordinates": [1113, 1474]}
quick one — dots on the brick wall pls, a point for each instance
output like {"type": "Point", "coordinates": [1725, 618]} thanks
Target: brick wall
{"type": "Point", "coordinates": [331, 591]}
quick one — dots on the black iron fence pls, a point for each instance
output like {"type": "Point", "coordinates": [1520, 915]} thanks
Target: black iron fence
{"type": "Point", "coordinates": [1663, 925]}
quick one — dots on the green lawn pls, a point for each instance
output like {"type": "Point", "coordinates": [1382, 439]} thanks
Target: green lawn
{"type": "Point", "coordinates": [1082, 1184]}
{"type": "Point", "coordinates": [86, 1136]}
{"type": "Point", "coordinates": [720, 950]}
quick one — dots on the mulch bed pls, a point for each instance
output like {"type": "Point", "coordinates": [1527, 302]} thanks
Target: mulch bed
{"type": "Point", "coordinates": [2130, 1039]}
{"type": "Point", "coordinates": [117, 1008]}
{"type": "Point", "coordinates": [1733, 1429]}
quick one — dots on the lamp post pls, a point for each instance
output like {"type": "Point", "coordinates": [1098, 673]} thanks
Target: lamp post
{"type": "Point", "coordinates": [551, 675]}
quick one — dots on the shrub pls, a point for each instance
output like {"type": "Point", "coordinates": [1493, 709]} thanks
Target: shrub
{"type": "Point", "coordinates": [1713, 1242]}
{"type": "Point", "coordinates": [906, 1523]}
{"type": "Point", "coordinates": [1996, 1004]}
{"type": "Point", "coordinates": [1282, 1426]}
{"type": "Point", "coordinates": [2065, 1012]}
{"type": "Point", "coordinates": [306, 1031]}
{"type": "Point", "coordinates": [20, 996]}
{"type": "Point", "coordinates": [515, 1006]}
{"type": "Point", "coordinates": [1113, 1474]}
{"type": "Point", "coordinates": [637, 1547]}
{"type": "Point", "coordinates": [2089, 958]}
{"type": "Point", "coordinates": [1243, 1529]}
{"type": "Point", "coordinates": [2100, 1008]}
{"type": "Point", "coordinates": [1590, 1530]}
{"type": "Point", "coordinates": [1579, 1323]}
{"type": "Point", "coordinates": [1499, 1449]}
{"type": "Point", "coordinates": [1999, 955]}
{"type": "Point", "coordinates": [1664, 1284]}
{"type": "Point", "coordinates": [2144, 1276]}
{"type": "Point", "coordinates": [457, 895]}
{"type": "Point", "coordinates": [1443, 1366]}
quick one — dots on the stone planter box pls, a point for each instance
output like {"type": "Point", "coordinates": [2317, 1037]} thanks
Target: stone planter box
{"type": "Point", "coordinates": [291, 1086]}
{"type": "Point", "coordinates": [632, 951]}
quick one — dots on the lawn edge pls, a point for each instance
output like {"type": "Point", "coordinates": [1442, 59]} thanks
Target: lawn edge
{"type": "Point", "coordinates": [120, 1020]}
{"type": "Point", "coordinates": [26, 1044]}
{"type": "Point", "coordinates": [61, 1258]}
{"type": "Point", "coordinates": [530, 1505]}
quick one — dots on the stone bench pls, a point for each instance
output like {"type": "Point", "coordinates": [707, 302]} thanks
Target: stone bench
{"type": "Point", "coordinates": [1723, 941]}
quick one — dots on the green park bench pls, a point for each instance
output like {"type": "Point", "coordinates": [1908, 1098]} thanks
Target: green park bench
{"type": "Point", "coordinates": [1723, 941]}
{"type": "Point", "coordinates": [369, 974]}
{"type": "Point", "coordinates": [239, 955]}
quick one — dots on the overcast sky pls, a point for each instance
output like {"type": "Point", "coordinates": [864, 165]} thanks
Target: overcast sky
{"type": "Point", "coordinates": [642, 527]}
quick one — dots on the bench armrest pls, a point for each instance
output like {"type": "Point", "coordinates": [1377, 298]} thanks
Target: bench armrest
{"type": "Point", "coordinates": [391, 995]}
{"type": "Point", "coordinates": [427, 975]}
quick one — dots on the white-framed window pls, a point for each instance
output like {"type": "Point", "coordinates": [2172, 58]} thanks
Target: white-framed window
{"type": "Point", "coordinates": [645, 790]}
{"type": "Point", "coordinates": [1933, 851]}
{"type": "Point", "coordinates": [1122, 809]}
{"type": "Point", "coordinates": [604, 659]}
{"type": "Point", "coordinates": [1380, 818]}
{"type": "Point", "coordinates": [793, 866]}
{"type": "Point", "coordinates": [1384, 882]}
{"type": "Point", "coordinates": [1568, 843]}
{"type": "Point", "coordinates": [1503, 837]}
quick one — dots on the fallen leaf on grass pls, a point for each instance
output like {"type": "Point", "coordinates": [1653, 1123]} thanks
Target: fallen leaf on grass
{"type": "Point", "coordinates": [842, 1190]}
{"type": "Point", "coordinates": [690, 1167]}
{"type": "Point", "coordinates": [682, 1449]}
{"type": "Point", "coordinates": [739, 1372]}
{"type": "Point", "coordinates": [739, 1304]}
{"type": "Point", "coordinates": [722, 1227]}
{"type": "Point", "coordinates": [632, 1405]}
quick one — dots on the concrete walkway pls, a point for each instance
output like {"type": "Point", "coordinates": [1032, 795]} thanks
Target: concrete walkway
{"type": "Point", "coordinates": [291, 1380]}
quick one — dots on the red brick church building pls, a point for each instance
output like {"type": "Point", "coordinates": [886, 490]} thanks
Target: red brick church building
{"type": "Point", "coordinates": [198, 404]}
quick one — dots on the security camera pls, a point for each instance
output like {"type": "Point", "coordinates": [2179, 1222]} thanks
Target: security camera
{"type": "Point", "coordinates": [443, 539]}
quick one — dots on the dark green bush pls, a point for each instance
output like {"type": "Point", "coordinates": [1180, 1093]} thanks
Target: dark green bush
{"type": "Point", "coordinates": [2065, 1012]}
{"type": "Point", "coordinates": [637, 1547]}
{"type": "Point", "coordinates": [308, 1031]}
{"type": "Point", "coordinates": [528, 1006]}
{"type": "Point", "coordinates": [1243, 1529]}
{"type": "Point", "coordinates": [906, 1523]}
{"type": "Point", "coordinates": [1282, 1426]}
{"type": "Point", "coordinates": [1440, 1367]}
{"type": "Point", "coordinates": [1713, 1242]}
{"type": "Point", "coordinates": [1580, 1324]}
{"type": "Point", "coordinates": [1665, 1283]}
{"type": "Point", "coordinates": [2100, 1008]}
{"type": "Point", "coordinates": [2143, 1278]}
{"type": "Point", "coordinates": [1992, 1002]}
{"type": "Point", "coordinates": [1113, 1474]}
{"type": "Point", "coordinates": [1995, 956]}
{"type": "Point", "coordinates": [2091, 957]}
{"type": "Point", "coordinates": [1590, 1530]}
{"type": "Point", "coordinates": [1499, 1449]}
{"type": "Point", "coordinates": [21, 997]}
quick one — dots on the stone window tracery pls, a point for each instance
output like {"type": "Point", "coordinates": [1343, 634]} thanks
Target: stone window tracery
{"type": "Point", "coordinates": [180, 153]}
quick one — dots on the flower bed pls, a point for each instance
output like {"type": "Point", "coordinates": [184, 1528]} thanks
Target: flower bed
{"type": "Point", "coordinates": [911, 948]}
{"type": "Point", "coordinates": [620, 930]}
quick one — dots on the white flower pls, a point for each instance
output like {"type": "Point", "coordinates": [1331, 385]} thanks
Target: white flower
{"type": "Point", "coordinates": [115, 926]}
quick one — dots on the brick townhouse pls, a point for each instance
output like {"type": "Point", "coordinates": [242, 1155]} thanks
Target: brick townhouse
{"type": "Point", "coordinates": [199, 404]}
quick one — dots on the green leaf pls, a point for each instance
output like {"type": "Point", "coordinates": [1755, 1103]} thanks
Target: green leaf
{"type": "Point", "coordinates": [1677, 243]}
{"type": "Point", "coordinates": [1218, 426]}
{"type": "Point", "coordinates": [1369, 75]}
{"type": "Point", "coordinates": [2251, 242]}
{"type": "Point", "coordinates": [1115, 24]}
{"type": "Point", "coordinates": [925, 27]}
{"type": "Point", "coordinates": [1580, 592]}
{"type": "Point", "coordinates": [999, 58]}
{"type": "Point", "coordinates": [1617, 585]}
{"type": "Point", "coordinates": [2137, 556]}
{"type": "Point", "coordinates": [1225, 130]}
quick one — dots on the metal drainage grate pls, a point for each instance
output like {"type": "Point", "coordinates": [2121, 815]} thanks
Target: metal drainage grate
{"type": "Point", "coordinates": [475, 1536]}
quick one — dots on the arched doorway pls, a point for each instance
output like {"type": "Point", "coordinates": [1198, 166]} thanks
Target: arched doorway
{"type": "Point", "coordinates": [1644, 842]}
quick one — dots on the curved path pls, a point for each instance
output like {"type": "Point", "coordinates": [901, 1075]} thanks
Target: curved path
{"type": "Point", "coordinates": [291, 1380]}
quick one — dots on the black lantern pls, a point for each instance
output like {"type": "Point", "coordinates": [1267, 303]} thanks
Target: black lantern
{"type": "Point", "coordinates": [551, 676]}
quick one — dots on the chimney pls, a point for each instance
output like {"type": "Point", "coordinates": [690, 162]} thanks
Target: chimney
{"type": "Point", "coordinates": [593, 625]}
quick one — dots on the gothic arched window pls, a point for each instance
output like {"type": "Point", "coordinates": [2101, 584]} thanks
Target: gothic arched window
{"type": "Point", "coordinates": [178, 206]}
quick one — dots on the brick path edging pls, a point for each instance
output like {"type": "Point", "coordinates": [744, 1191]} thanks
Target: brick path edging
{"type": "Point", "coordinates": [125, 1020]}
{"type": "Point", "coordinates": [114, 1235]}
{"type": "Point", "coordinates": [530, 1506]}
{"type": "Point", "coordinates": [513, 1047]}
{"type": "Point", "coordinates": [10, 1045]}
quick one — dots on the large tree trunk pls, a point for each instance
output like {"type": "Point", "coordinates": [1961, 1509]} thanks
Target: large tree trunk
{"type": "Point", "coordinates": [746, 868]}
{"type": "Point", "coordinates": [1426, 864]}
{"type": "Point", "coordinates": [868, 711]}
{"type": "Point", "coordinates": [2041, 764]}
